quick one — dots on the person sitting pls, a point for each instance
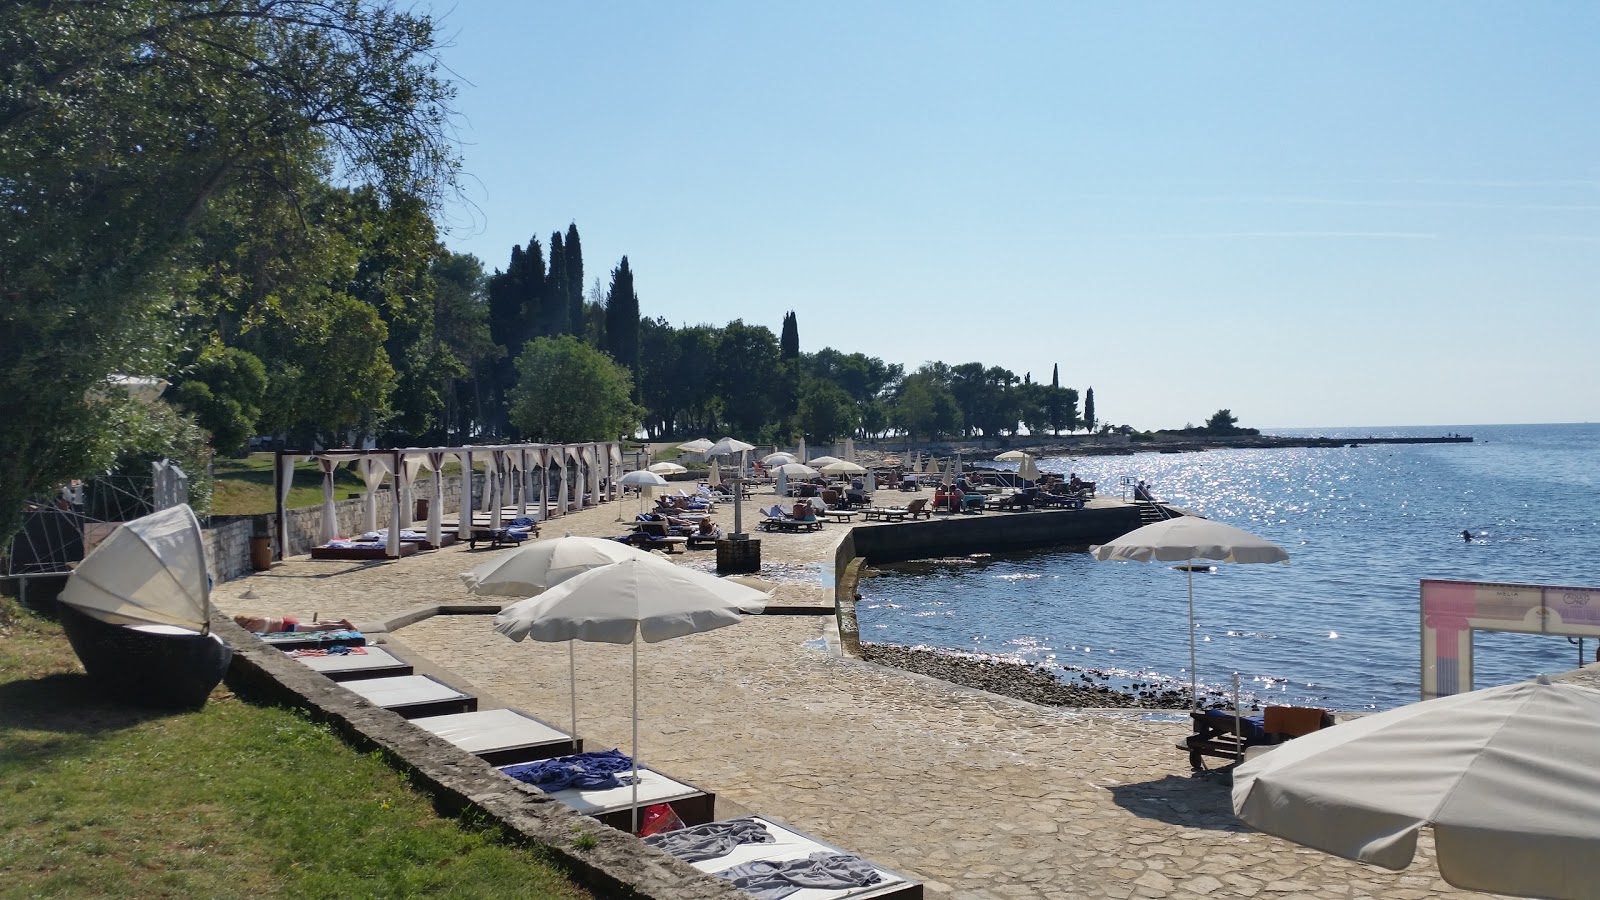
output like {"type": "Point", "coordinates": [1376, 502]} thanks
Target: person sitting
{"type": "Point", "coordinates": [275, 625]}
{"type": "Point", "coordinates": [857, 494]}
{"type": "Point", "coordinates": [1075, 484]}
{"type": "Point", "coordinates": [1141, 491]}
{"type": "Point", "coordinates": [707, 527]}
{"type": "Point", "coordinates": [804, 512]}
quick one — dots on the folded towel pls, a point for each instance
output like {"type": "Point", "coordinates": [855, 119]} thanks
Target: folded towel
{"type": "Point", "coordinates": [588, 771]}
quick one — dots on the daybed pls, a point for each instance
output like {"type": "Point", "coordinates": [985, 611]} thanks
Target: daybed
{"type": "Point", "coordinates": [412, 696]}
{"type": "Point", "coordinates": [352, 663]}
{"type": "Point", "coordinates": [785, 844]}
{"type": "Point", "coordinates": [501, 736]}
{"type": "Point", "coordinates": [613, 806]}
{"type": "Point", "coordinates": [361, 550]}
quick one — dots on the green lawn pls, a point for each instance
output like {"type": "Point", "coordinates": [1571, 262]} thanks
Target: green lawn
{"type": "Point", "coordinates": [235, 800]}
{"type": "Point", "coordinates": [244, 486]}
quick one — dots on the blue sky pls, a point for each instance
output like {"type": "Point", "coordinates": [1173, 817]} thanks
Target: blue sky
{"type": "Point", "coordinates": [1352, 214]}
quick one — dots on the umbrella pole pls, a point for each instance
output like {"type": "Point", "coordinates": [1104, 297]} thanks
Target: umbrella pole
{"type": "Point", "coordinates": [1194, 681]}
{"type": "Point", "coordinates": [572, 679]}
{"type": "Point", "coordinates": [635, 816]}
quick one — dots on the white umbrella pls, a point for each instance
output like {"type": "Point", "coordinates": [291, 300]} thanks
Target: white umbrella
{"type": "Point", "coordinates": [796, 470]}
{"type": "Point", "coordinates": [1013, 456]}
{"type": "Point", "coordinates": [778, 459]}
{"type": "Point", "coordinates": [822, 461]}
{"type": "Point", "coordinates": [800, 451]}
{"type": "Point", "coordinates": [541, 565]}
{"type": "Point", "coordinates": [850, 449]}
{"type": "Point", "coordinates": [728, 446]}
{"type": "Point", "coordinates": [1508, 777]}
{"type": "Point", "coordinates": [698, 445]}
{"type": "Point", "coordinates": [713, 478]}
{"type": "Point", "coordinates": [1027, 471]}
{"type": "Point", "coordinates": [842, 467]}
{"type": "Point", "coordinates": [666, 468]}
{"type": "Point", "coordinates": [643, 479]}
{"type": "Point", "coordinates": [620, 604]}
{"type": "Point", "coordinates": [1188, 538]}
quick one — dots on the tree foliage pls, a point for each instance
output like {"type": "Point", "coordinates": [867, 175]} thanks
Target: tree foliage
{"type": "Point", "coordinates": [827, 413]}
{"type": "Point", "coordinates": [568, 391]}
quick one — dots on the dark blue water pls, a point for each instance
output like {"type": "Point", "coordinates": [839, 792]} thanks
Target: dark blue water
{"type": "Point", "coordinates": [1338, 625]}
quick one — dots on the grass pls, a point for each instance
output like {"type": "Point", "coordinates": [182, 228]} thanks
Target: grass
{"type": "Point", "coordinates": [244, 486]}
{"type": "Point", "coordinates": [235, 800]}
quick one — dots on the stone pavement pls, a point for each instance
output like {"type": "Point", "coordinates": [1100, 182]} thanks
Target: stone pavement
{"type": "Point", "coordinates": [978, 795]}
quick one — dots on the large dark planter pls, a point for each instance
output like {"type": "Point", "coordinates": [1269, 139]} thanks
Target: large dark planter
{"type": "Point", "coordinates": [147, 668]}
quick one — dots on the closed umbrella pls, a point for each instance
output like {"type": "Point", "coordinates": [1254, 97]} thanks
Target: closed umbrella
{"type": "Point", "coordinates": [1027, 470]}
{"type": "Point", "coordinates": [534, 568]}
{"type": "Point", "coordinates": [850, 449]}
{"type": "Point", "coordinates": [638, 599]}
{"type": "Point", "coordinates": [1507, 777]}
{"type": "Point", "coordinates": [713, 478]}
{"type": "Point", "coordinates": [1186, 539]}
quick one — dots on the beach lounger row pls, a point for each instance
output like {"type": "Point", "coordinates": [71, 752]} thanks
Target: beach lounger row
{"type": "Point", "coordinates": [917, 508]}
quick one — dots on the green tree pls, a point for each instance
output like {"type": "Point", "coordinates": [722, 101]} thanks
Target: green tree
{"type": "Point", "coordinates": [827, 413]}
{"type": "Point", "coordinates": [119, 125]}
{"type": "Point", "coordinates": [555, 309]}
{"type": "Point", "coordinates": [462, 348]}
{"type": "Point", "coordinates": [789, 337]}
{"type": "Point", "coordinates": [622, 318]}
{"type": "Point", "coordinates": [574, 279]}
{"type": "Point", "coordinates": [1223, 421]}
{"type": "Point", "coordinates": [568, 391]}
{"type": "Point", "coordinates": [658, 389]}
{"type": "Point", "coordinates": [224, 391]}
{"type": "Point", "coordinates": [334, 380]}
{"type": "Point", "coordinates": [926, 408]}
{"type": "Point", "coordinates": [745, 376]}
{"type": "Point", "coordinates": [1089, 420]}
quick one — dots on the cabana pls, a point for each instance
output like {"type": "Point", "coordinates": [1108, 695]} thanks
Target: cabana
{"type": "Point", "coordinates": [513, 472]}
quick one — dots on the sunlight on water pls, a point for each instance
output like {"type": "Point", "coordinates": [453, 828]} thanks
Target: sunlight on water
{"type": "Point", "coordinates": [1336, 626]}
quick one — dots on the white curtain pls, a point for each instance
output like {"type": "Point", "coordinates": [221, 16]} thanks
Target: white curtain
{"type": "Point", "coordinates": [521, 468]}
{"type": "Point", "coordinates": [330, 516]}
{"type": "Point", "coordinates": [413, 463]}
{"type": "Point", "coordinates": [373, 471]}
{"type": "Point", "coordinates": [285, 482]}
{"type": "Point", "coordinates": [561, 498]}
{"type": "Point", "coordinates": [493, 462]}
{"type": "Point", "coordinates": [464, 517]}
{"type": "Point", "coordinates": [436, 505]}
{"type": "Point", "coordinates": [397, 516]}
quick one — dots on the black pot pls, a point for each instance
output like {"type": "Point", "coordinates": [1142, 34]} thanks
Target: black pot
{"type": "Point", "coordinates": [146, 668]}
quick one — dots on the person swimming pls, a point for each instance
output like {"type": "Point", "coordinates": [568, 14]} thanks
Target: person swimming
{"type": "Point", "coordinates": [1466, 535]}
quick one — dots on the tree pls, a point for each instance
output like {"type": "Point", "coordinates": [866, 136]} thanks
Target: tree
{"type": "Point", "coordinates": [1223, 421]}
{"type": "Point", "coordinates": [789, 338]}
{"type": "Point", "coordinates": [1088, 410]}
{"type": "Point", "coordinates": [568, 391]}
{"type": "Point", "coordinates": [745, 376]}
{"type": "Point", "coordinates": [658, 388]}
{"type": "Point", "coordinates": [119, 125]}
{"type": "Point", "coordinates": [556, 306]}
{"type": "Point", "coordinates": [827, 413]}
{"type": "Point", "coordinates": [515, 297]}
{"type": "Point", "coordinates": [462, 348]}
{"type": "Point", "coordinates": [926, 407]}
{"type": "Point", "coordinates": [574, 278]}
{"type": "Point", "coordinates": [622, 318]}
{"type": "Point", "coordinates": [224, 391]}
{"type": "Point", "coordinates": [790, 374]}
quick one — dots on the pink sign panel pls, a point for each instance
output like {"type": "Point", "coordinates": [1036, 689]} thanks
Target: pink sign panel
{"type": "Point", "coordinates": [1453, 610]}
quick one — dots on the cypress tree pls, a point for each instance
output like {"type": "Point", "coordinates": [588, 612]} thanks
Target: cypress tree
{"type": "Point", "coordinates": [1055, 375]}
{"type": "Point", "coordinates": [574, 266]}
{"type": "Point", "coordinates": [1088, 410]}
{"type": "Point", "coordinates": [555, 309]}
{"type": "Point", "coordinates": [789, 340]}
{"type": "Point", "coordinates": [622, 318]}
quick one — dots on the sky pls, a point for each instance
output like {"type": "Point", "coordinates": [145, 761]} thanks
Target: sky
{"type": "Point", "coordinates": [1342, 214]}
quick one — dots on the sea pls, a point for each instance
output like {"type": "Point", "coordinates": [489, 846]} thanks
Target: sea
{"type": "Point", "coordinates": [1338, 626]}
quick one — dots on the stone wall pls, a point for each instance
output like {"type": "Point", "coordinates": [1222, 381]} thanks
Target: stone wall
{"type": "Point", "coordinates": [228, 547]}
{"type": "Point", "coordinates": [962, 535]}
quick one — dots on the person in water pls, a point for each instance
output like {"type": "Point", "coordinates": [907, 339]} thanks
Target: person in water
{"type": "Point", "coordinates": [1466, 535]}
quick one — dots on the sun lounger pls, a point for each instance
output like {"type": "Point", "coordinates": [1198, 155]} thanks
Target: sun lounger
{"type": "Point", "coordinates": [698, 540]}
{"type": "Point", "coordinates": [359, 550]}
{"type": "Point", "coordinates": [646, 541]}
{"type": "Point", "coordinates": [884, 513]}
{"type": "Point", "coordinates": [373, 662]}
{"type": "Point", "coordinates": [412, 696]}
{"type": "Point", "coordinates": [313, 640]}
{"type": "Point", "coordinates": [614, 806]}
{"type": "Point", "coordinates": [501, 736]}
{"type": "Point", "coordinates": [791, 844]}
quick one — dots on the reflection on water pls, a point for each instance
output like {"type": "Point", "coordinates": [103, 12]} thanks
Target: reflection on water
{"type": "Point", "coordinates": [1339, 624]}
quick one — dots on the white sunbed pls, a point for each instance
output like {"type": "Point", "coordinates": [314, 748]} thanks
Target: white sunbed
{"type": "Point", "coordinates": [501, 736]}
{"type": "Point", "coordinates": [412, 696]}
{"type": "Point", "coordinates": [375, 663]}
{"type": "Point", "coordinates": [614, 806]}
{"type": "Point", "coordinates": [792, 844]}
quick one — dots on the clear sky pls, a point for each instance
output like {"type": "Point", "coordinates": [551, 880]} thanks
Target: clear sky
{"type": "Point", "coordinates": [1349, 214]}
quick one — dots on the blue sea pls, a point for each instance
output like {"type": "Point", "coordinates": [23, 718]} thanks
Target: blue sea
{"type": "Point", "coordinates": [1338, 626]}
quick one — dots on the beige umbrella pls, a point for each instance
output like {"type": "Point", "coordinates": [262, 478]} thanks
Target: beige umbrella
{"type": "Point", "coordinates": [1013, 456]}
{"type": "Point", "coordinates": [1186, 539]}
{"type": "Point", "coordinates": [698, 445]}
{"type": "Point", "coordinates": [842, 467]}
{"type": "Point", "coordinates": [822, 462]}
{"type": "Point", "coordinates": [1507, 777]}
{"type": "Point", "coordinates": [778, 459]}
{"type": "Point", "coordinates": [713, 478]}
{"type": "Point", "coordinates": [637, 599]}
{"type": "Point", "coordinates": [668, 468]}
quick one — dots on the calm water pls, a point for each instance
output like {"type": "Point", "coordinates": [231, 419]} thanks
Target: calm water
{"type": "Point", "coordinates": [1337, 626]}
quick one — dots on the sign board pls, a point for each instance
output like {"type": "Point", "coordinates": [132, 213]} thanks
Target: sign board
{"type": "Point", "coordinates": [1453, 610]}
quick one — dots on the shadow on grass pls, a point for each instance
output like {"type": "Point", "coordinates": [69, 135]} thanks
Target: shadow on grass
{"type": "Point", "coordinates": [68, 707]}
{"type": "Point", "coordinates": [1187, 802]}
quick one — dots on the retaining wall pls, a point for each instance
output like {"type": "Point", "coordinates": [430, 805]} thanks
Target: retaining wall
{"type": "Point", "coordinates": [962, 535]}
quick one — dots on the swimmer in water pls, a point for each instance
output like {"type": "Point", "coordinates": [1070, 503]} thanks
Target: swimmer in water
{"type": "Point", "coordinates": [1466, 535]}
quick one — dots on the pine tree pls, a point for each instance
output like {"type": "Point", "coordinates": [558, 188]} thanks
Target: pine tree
{"type": "Point", "coordinates": [574, 264]}
{"type": "Point", "coordinates": [789, 340]}
{"type": "Point", "coordinates": [622, 318]}
{"type": "Point", "coordinates": [556, 307]}
{"type": "Point", "coordinates": [1088, 410]}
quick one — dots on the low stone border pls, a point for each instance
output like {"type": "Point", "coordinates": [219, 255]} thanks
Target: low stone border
{"type": "Point", "coordinates": [612, 864]}
{"type": "Point", "coordinates": [844, 600]}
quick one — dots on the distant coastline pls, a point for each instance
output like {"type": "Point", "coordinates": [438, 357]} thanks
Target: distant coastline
{"type": "Point", "coordinates": [1194, 444]}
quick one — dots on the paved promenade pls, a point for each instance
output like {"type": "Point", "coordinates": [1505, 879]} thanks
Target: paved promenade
{"type": "Point", "coordinates": [978, 795]}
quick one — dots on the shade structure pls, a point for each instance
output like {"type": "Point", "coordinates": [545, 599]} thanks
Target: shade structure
{"type": "Point", "coordinates": [713, 476]}
{"type": "Point", "coordinates": [150, 571]}
{"type": "Point", "coordinates": [1188, 538]}
{"type": "Point", "coordinates": [639, 599]}
{"type": "Point", "coordinates": [698, 445]}
{"type": "Point", "coordinates": [796, 470]}
{"type": "Point", "coordinates": [728, 446]}
{"type": "Point", "coordinates": [534, 568]}
{"type": "Point", "coordinates": [1507, 777]}
{"type": "Point", "coordinates": [1027, 470]}
{"type": "Point", "coordinates": [777, 459]}
{"type": "Point", "coordinates": [667, 468]}
{"type": "Point", "coordinates": [850, 449]}
{"type": "Point", "coordinates": [643, 478]}
{"type": "Point", "coordinates": [843, 467]}
{"type": "Point", "coordinates": [1013, 456]}
{"type": "Point", "coordinates": [823, 461]}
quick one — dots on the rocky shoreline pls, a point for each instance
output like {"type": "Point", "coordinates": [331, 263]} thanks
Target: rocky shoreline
{"type": "Point", "coordinates": [1024, 681]}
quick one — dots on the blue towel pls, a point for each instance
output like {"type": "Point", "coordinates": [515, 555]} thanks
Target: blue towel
{"type": "Point", "coordinates": [589, 771]}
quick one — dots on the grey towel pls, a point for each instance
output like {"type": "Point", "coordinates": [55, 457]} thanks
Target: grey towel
{"type": "Point", "coordinates": [711, 840]}
{"type": "Point", "coordinates": [823, 869]}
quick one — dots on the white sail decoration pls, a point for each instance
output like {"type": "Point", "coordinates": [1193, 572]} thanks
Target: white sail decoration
{"type": "Point", "coordinates": [150, 571]}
